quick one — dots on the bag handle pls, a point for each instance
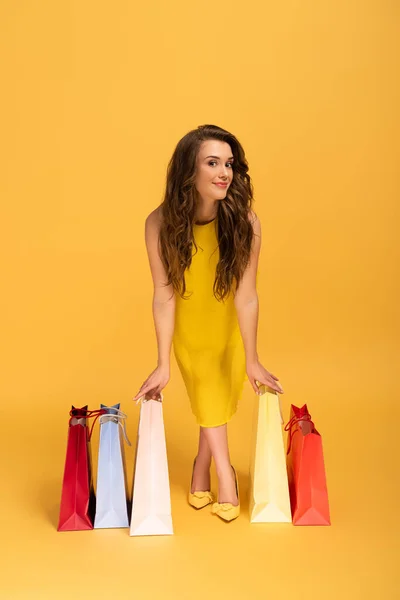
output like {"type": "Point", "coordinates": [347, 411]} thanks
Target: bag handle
{"type": "Point", "coordinates": [263, 385]}
{"type": "Point", "coordinates": [120, 418]}
{"type": "Point", "coordinates": [293, 421]}
{"type": "Point", "coordinates": [143, 398]}
{"type": "Point", "coordinates": [88, 415]}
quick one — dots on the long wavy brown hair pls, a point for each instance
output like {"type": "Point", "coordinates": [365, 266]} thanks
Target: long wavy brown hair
{"type": "Point", "coordinates": [235, 230]}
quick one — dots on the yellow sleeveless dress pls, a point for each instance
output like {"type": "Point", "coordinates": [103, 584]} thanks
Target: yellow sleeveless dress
{"type": "Point", "coordinates": [207, 341]}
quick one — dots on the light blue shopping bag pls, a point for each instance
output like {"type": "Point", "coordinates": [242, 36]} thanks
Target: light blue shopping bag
{"type": "Point", "coordinates": [112, 504]}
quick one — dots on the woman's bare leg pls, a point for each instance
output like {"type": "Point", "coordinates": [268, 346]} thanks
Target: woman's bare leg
{"type": "Point", "coordinates": [217, 439]}
{"type": "Point", "coordinates": [201, 473]}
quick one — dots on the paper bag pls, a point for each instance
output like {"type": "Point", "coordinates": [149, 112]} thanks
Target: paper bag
{"type": "Point", "coordinates": [151, 500]}
{"type": "Point", "coordinates": [269, 490]}
{"type": "Point", "coordinates": [306, 470]}
{"type": "Point", "coordinates": [111, 491]}
{"type": "Point", "coordinates": [77, 497]}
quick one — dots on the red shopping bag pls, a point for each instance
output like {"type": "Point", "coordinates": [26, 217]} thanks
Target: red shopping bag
{"type": "Point", "coordinates": [77, 497]}
{"type": "Point", "coordinates": [306, 470]}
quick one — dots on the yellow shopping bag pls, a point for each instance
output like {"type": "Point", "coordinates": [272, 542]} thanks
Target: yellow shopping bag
{"type": "Point", "coordinates": [269, 488]}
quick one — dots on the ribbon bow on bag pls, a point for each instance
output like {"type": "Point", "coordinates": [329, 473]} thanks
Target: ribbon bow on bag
{"type": "Point", "coordinates": [78, 413]}
{"type": "Point", "coordinates": [293, 423]}
{"type": "Point", "coordinates": [119, 417]}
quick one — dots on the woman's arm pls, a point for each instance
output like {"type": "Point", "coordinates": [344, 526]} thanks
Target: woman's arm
{"type": "Point", "coordinates": [246, 303]}
{"type": "Point", "coordinates": [246, 297]}
{"type": "Point", "coordinates": [163, 313]}
{"type": "Point", "coordinates": [163, 296]}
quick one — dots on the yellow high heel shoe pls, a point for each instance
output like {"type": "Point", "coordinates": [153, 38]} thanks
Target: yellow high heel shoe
{"type": "Point", "coordinates": [199, 499]}
{"type": "Point", "coordinates": [226, 510]}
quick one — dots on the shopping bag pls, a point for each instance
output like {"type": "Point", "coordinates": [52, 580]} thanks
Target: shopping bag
{"type": "Point", "coordinates": [151, 499]}
{"type": "Point", "coordinates": [111, 491]}
{"type": "Point", "coordinates": [77, 497]}
{"type": "Point", "coordinates": [269, 490]}
{"type": "Point", "coordinates": [306, 470]}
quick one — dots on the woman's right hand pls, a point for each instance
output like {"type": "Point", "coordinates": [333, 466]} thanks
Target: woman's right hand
{"type": "Point", "coordinates": [154, 384]}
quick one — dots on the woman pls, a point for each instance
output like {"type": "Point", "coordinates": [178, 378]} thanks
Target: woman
{"type": "Point", "coordinates": [205, 239]}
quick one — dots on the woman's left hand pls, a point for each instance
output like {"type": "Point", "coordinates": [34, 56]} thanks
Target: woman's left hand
{"type": "Point", "coordinates": [256, 372]}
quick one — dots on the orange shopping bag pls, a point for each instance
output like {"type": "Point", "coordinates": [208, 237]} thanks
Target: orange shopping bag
{"type": "Point", "coordinates": [306, 470]}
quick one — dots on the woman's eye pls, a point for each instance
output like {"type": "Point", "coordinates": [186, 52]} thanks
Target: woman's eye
{"type": "Point", "coordinates": [213, 161]}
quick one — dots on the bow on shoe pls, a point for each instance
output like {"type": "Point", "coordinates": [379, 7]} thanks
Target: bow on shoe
{"type": "Point", "coordinates": [224, 506]}
{"type": "Point", "coordinates": [201, 495]}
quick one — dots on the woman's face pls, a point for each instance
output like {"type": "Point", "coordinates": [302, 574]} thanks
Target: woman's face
{"type": "Point", "coordinates": [214, 166]}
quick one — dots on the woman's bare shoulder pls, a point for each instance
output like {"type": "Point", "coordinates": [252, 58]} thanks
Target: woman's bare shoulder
{"type": "Point", "coordinates": [153, 219]}
{"type": "Point", "coordinates": [255, 221]}
{"type": "Point", "coordinates": [252, 216]}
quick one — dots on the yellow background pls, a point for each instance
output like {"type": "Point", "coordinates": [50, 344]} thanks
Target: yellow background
{"type": "Point", "coordinates": [95, 95]}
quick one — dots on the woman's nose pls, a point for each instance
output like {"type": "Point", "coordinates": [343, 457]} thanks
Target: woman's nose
{"type": "Point", "coordinates": [224, 172]}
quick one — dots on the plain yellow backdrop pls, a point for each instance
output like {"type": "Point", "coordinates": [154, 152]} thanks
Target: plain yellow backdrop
{"type": "Point", "coordinates": [95, 96]}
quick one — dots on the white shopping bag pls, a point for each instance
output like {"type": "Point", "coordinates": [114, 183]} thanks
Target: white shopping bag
{"type": "Point", "coordinates": [269, 487]}
{"type": "Point", "coordinates": [111, 491]}
{"type": "Point", "coordinates": [151, 499]}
